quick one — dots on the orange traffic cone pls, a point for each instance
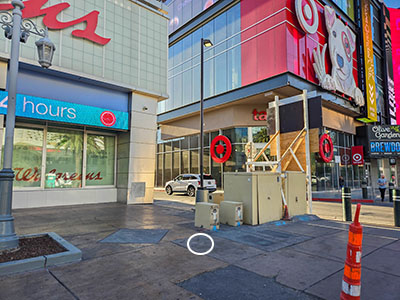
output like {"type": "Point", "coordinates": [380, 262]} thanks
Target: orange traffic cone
{"type": "Point", "coordinates": [286, 214]}
{"type": "Point", "coordinates": [351, 284]}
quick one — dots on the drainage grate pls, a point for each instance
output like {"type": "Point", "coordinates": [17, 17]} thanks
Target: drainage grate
{"type": "Point", "coordinates": [136, 236]}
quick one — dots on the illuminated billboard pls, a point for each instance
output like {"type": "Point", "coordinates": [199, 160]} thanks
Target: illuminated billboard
{"type": "Point", "coordinates": [395, 28]}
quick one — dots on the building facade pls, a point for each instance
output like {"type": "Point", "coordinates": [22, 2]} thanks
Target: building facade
{"type": "Point", "coordinates": [263, 49]}
{"type": "Point", "coordinates": [86, 127]}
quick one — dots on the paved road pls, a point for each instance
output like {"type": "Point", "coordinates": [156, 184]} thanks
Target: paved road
{"type": "Point", "coordinates": [370, 214]}
{"type": "Point", "coordinates": [179, 197]}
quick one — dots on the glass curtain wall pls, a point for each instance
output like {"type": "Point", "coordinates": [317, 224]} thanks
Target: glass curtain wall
{"type": "Point", "coordinates": [326, 176]}
{"type": "Point", "coordinates": [63, 153]}
{"type": "Point", "coordinates": [222, 62]}
{"type": "Point", "coordinates": [347, 6]}
{"type": "Point", "coordinates": [181, 11]}
{"type": "Point", "coordinates": [189, 153]}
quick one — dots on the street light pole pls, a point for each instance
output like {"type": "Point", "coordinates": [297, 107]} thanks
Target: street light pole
{"type": "Point", "coordinates": [8, 238]}
{"type": "Point", "coordinates": [203, 43]}
{"type": "Point", "coordinates": [201, 113]}
{"type": "Point", "coordinates": [18, 30]}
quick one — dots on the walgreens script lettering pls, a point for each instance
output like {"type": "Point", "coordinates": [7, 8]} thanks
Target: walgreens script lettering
{"type": "Point", "coordinates": [32, 174]}
{"type": "Point", "coordinates": [34, 8]}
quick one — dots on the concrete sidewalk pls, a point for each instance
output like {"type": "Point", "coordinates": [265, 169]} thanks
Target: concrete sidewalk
{"type": "Point", "coordinates": [295, 260]}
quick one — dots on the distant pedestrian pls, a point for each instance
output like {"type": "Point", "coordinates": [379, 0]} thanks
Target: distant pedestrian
{"type": "Point", "coordinates": [393, 180]}
{"type": "Point", "coordinates": [382, 184]}
{"type": "Point", "coordinates": [341, 181]}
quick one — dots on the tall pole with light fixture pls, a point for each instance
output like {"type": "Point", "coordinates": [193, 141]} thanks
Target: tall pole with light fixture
{"type": "Point", "coordinates": [203, 43]}
{"type": "Point", "coordinates": [18, 30]}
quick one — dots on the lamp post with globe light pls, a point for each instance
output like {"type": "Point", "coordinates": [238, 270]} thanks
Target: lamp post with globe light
{"type": "Point", "coordinates": [18, 30]}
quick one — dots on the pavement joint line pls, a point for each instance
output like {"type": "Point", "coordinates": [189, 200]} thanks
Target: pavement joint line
{"type": "Point", "coordinates": [326, 226]}
{"type": "Point", "coordinates": [379, 271]}
{"type": "Point", "coordinates": [316, 255]}
{"type": "Point", "coordinates": [62, 284]}
{"type": "Point", "coordinates": [379, 248]}
{"type": "Point", "coordinates": [326, 277]}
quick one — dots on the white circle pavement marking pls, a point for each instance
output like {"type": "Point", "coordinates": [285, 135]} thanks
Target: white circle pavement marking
{"type": "Point", "coordinates": [200, 253]}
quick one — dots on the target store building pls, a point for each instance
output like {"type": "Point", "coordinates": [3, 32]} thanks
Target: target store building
{"type": "Point", "coordinates": [266, 48]}
{"type": "Point", "coordinates": [86, 127]}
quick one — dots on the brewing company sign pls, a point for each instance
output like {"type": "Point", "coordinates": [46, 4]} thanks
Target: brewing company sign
{"type": "Point", "coordinates": [384, 140]}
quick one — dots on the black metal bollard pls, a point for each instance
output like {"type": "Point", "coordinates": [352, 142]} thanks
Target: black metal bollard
{"type": "Point", "coordinates": [346, 203]}
{"type": "Point", "coordinates": [391, 189]}
{"type": "Point", "coordinates": [396, 207]}
{"type": "Point", "coordinates": [364, 188]}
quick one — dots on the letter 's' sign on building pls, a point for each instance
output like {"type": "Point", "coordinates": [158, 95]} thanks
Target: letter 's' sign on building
{"type": "Point", "coordinates": [34, 8]}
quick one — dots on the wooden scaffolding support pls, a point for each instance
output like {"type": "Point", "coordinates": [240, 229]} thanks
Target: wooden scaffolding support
{"type": "Point", "coordinates": [290, 153]}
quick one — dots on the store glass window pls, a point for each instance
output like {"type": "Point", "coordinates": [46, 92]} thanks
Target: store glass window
{"type": "Point", "coordinates": [185, 162]}
{"type": "Point", "coordinates": [237, 135]}
{"type": "Point", "coordinates": [260, 134]}
{"type": "Point", "coordinates": [64, 158]}
{"type": "Point", "coordinates": [167, 167]}
{"type": "Point", "coordinates": [27, 157]}
{"type": "Point", "coordinates": [100, 160]}
{"type": "Point", "coordinates": [376, 26]}
{"type": "Point", "coordinates": [194, 161]}
{"type": "Point", "coordinates": [194, 141]}
{"type": "Point", "coordinates": [175, 164]}
{"type": "Point", "coordinates": [159, 170]}
{"type": "Point", "coordinates": [347, 6]}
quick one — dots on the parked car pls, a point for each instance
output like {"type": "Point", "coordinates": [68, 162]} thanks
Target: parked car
{"type": "Point", "coordinates": [188, 183]}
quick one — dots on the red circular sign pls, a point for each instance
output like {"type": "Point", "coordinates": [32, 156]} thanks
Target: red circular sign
{"type": "Point", "coordinates": [220, 149]}
{"type": "Point", "coordinates": [108, 118]}
{"type": "Point", "coordinates": [326, 148]}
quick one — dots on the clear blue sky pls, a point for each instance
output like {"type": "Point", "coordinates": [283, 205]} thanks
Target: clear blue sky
{"type": "Point", "coordinates": [392, 3]}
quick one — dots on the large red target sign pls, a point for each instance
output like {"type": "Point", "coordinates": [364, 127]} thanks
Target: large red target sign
{"type": "Point", "coordinates": [220, 149]}
{"type": "Point", "coordinates": [307, 14]}
{"type": "Point", "coordinates": [326, 148]}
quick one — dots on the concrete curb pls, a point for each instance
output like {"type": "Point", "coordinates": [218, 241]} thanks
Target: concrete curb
{"type": "Point", "coordinates": [72, 254]}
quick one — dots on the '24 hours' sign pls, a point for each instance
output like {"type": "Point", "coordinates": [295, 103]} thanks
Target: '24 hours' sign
{"type": "Point", "coordinates": [60, 111]}
{"type": "Point", "coordinates": [384, 140]}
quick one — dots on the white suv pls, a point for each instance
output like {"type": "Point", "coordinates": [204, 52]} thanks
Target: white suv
{"type": "Point", "coordinates": [189, 183]}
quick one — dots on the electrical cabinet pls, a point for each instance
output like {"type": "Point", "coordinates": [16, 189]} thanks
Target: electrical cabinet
{"type": "Point", "coordinates": [216, 197]}
{"type": "Point", "coordinates": [295, 190]}
{"type": "Point", "coordinates": [207, 215]}
{"type": "Point", "coordinates": [260, 193]}
{"type": "Point", "coordinates": [231, 213]}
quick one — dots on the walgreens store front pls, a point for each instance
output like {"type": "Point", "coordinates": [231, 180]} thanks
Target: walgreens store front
{"type": "Point", "coordinates": [86, 127]}
{"type": "Point", "coordinates": [65, 150]}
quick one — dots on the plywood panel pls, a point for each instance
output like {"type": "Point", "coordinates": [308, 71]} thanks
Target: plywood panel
{"type": "Point", "coordinates": [287, 139]}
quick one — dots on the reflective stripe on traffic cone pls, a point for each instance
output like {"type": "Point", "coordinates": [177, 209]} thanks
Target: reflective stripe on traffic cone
{"type": "Point", "coordinates": [351, 284]}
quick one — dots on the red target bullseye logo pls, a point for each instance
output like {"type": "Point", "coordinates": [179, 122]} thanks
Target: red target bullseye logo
{"type": "Point", "coordinates": [307, 14]}
{"type": "Point", "coordinates": [326, 148]}
{"type": "Point", "coordinates": [107, 118]}
{"type": "Point", "coordinates": [357, 157]}
{"type": "Point", "coordinates": [220, 149]}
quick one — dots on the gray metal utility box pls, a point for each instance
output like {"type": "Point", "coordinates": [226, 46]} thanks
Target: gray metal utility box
{"type": "Point", "coordinates": [258, 191]}
{"type": "Point", "coordinates": [295, 190]}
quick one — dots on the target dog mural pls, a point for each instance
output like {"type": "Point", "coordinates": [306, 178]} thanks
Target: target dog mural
{"type": "Point", "coordinates": [341, 48]}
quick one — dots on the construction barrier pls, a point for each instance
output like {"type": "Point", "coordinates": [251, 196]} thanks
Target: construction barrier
{"type": "Point", "coordinates": [351, 284]}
